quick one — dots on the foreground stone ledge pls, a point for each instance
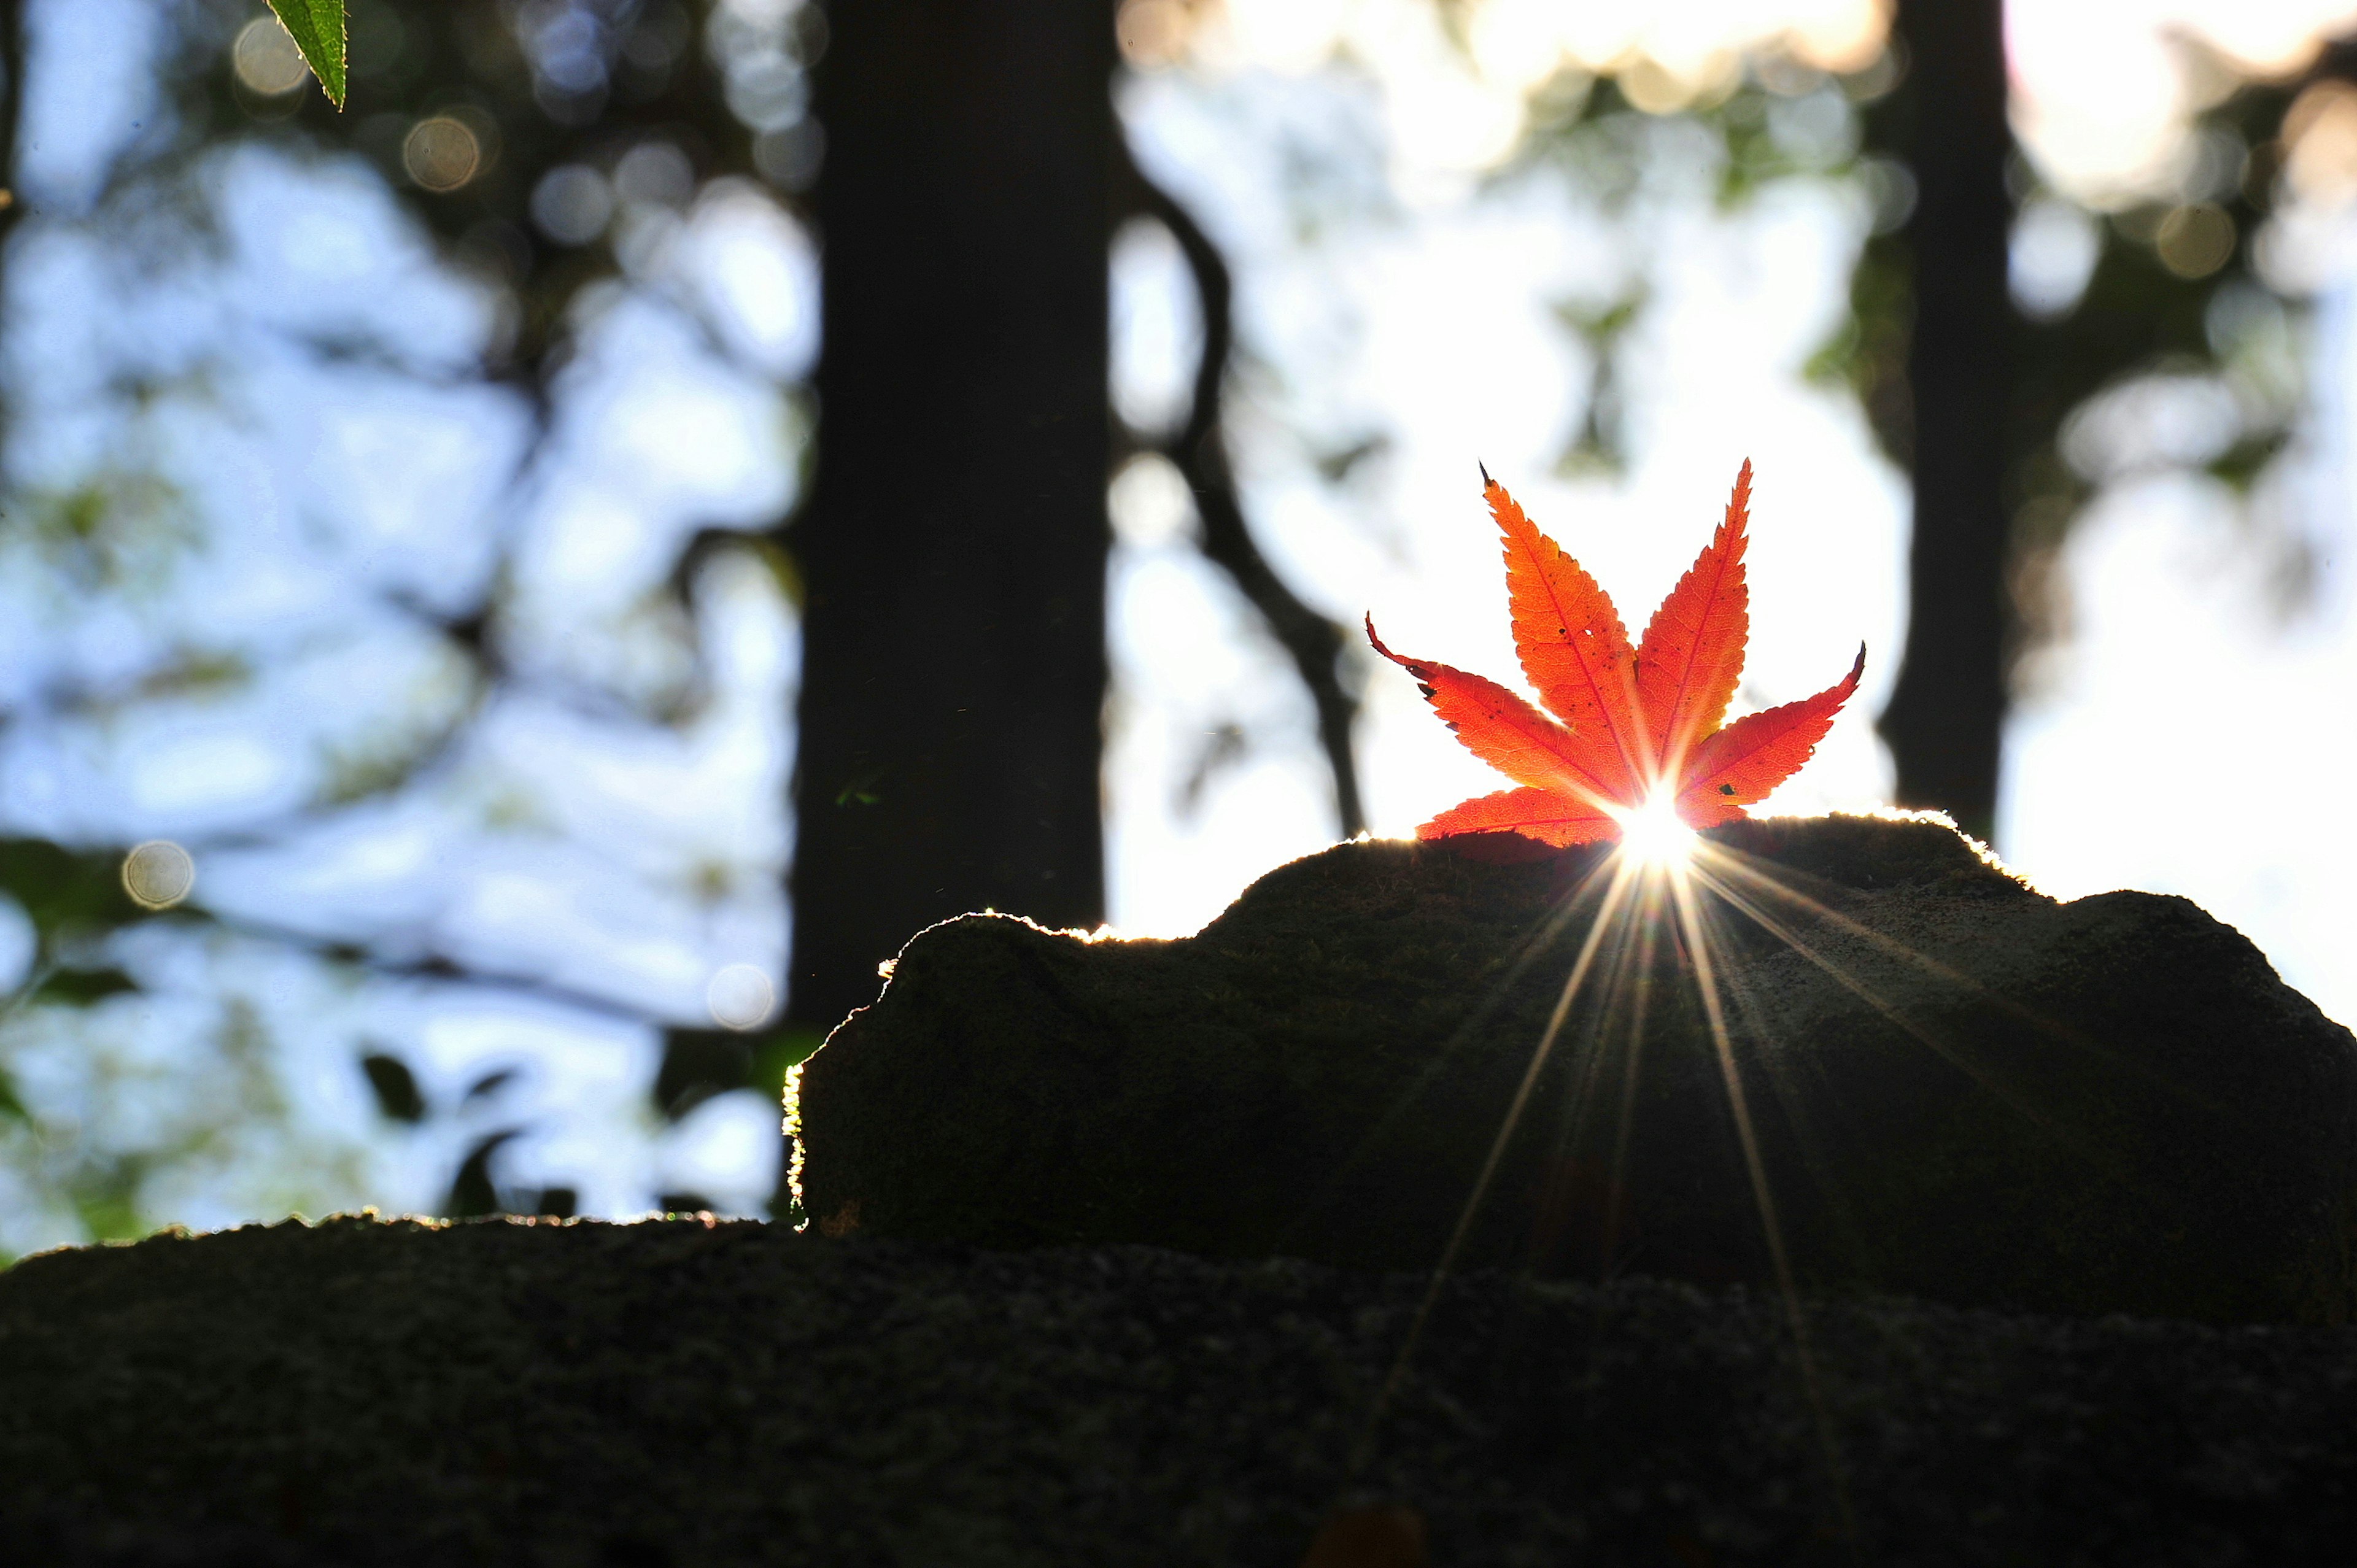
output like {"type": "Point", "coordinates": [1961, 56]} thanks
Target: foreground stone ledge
{"type": "Point", "coordinates": [1961, 1089]}
{"type": "Point", "coordinates": [677, 1393]}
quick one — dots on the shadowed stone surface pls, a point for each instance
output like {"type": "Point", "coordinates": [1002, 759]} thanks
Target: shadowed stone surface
{"type": "Point", "coordinates": [676, 1393]}
{"type": "Point", "coordinates": [1961, 1089]}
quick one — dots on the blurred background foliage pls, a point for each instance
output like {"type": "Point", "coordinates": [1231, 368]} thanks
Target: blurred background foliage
{"type": "Point", "coordinates": [562, 176]}
{"type": "Point", "coordinates": [421, 474]}
{"type": "Point", "coordinates": [2163, 296]}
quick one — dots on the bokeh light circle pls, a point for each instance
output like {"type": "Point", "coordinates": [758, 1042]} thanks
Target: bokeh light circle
{"type": "Point", "coordinates": [441, 154]}
{"type": "Point", "coordinates": [268, 64]}
{"type": "Point", "coordinates": [158, 874]}
{"type": "Point", "coordinates": [1153, 32]}
{"type": "Point", "coordinates": [572, 204]}
{"type": "Point", "coordinates": [741, 996]}
{"type": "Point", "coordinates": [2196, 240]}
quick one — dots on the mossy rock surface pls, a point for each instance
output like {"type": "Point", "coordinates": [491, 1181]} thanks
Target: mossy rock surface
{"type": "Point", "coordinates": [1957, 1087]}
{"type": "Point", "coordinates": [686, 1394]}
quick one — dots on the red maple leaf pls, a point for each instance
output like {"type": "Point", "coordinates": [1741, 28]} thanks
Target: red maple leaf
{"type": "Point", "coordinates": [1639, 727]}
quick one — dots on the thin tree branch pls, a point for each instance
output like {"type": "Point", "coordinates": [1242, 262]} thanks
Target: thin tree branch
{"type": "Point", "coordinates": [435, 968]}
{"type": "Point", "coordinates": [1199, 451]}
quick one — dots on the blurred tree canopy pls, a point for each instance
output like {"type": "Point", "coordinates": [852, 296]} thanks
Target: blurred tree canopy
{"type": "Point", "coordinates": [945, 594]}
{"type": "Point", "coordinates": [548, 148]}
{"type": "Point", "coordinates": [2048, 309]}
{"type": "Point", "coordinates": [968, 172]}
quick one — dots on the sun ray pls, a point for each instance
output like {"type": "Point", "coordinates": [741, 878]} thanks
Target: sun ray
{"type": "Point", "coordinates": [1625, 974]}
{"type": "Point", "coordinates": [1632, 1058]}
{"type": "Point", "coordinates": [1698, 953]}
{"type": "Point", "coordinates": [1653, 892]}
{"type": "Point", "coordinates": [1538, 944]}
{"type": "Point", "coordinates": [1682, 897]}
{"type": "Point", "coordinates": [1787, 1074]}
{"type": "Point", "coordinates": [2054, 1029]}
{"type": "Point", "coordinates": [1624, 872]}
{"type": "Point", "coordinates": [1793, 939]}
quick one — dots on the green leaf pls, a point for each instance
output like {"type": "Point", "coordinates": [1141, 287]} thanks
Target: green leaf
{"type": "Point", "coordinates": [62, 888]}
{"type": "Point", "coordinates": [81, 987]}
{"type": "Point", "coordinates": [317, 30]}
{"type": "Point", "coordinates": [397, 1094]}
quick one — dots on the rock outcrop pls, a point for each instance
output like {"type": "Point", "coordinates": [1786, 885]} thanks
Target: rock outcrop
{"type": "Point", "coordinates": [1956, 1087]}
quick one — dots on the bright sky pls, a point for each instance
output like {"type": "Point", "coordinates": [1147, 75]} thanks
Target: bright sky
{"type": "Point", "coordinates": [2092, 129]}
{"type": "Point", "coordinates": [1396, 293]}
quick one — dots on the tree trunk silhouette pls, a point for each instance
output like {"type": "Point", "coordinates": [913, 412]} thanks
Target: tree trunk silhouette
{"type": "Point", "coordinates": [953, 550]}
{"type": "Point", "coordinates": [1945, 718]}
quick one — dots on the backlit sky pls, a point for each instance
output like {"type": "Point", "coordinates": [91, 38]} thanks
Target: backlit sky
{"type": "Point", "coordinates": [1401, 291]}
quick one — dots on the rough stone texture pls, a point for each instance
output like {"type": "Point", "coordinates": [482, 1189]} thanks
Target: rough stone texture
{"type": "Point", "coordinates": [676, 1393]}
{"type": "Point", "coordinates": [1962, 1088]}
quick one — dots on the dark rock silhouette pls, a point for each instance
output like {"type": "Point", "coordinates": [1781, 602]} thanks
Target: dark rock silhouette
{"type": "Point", "coordinates": [677, 1393]}
{"type": "Point", "coordinates": [1961, 1088]}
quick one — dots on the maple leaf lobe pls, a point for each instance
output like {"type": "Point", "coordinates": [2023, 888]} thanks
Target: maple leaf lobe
{"type": "Point", "coordinates": [1572, 647]}
{"type": "Point", "coordinates": [1691, 658]}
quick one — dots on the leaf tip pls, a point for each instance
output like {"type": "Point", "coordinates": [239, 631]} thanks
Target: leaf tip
{"type": "Point", "coordinates": [319, 30]}
{"type": "Point", "coordinates": [1738, 505]}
